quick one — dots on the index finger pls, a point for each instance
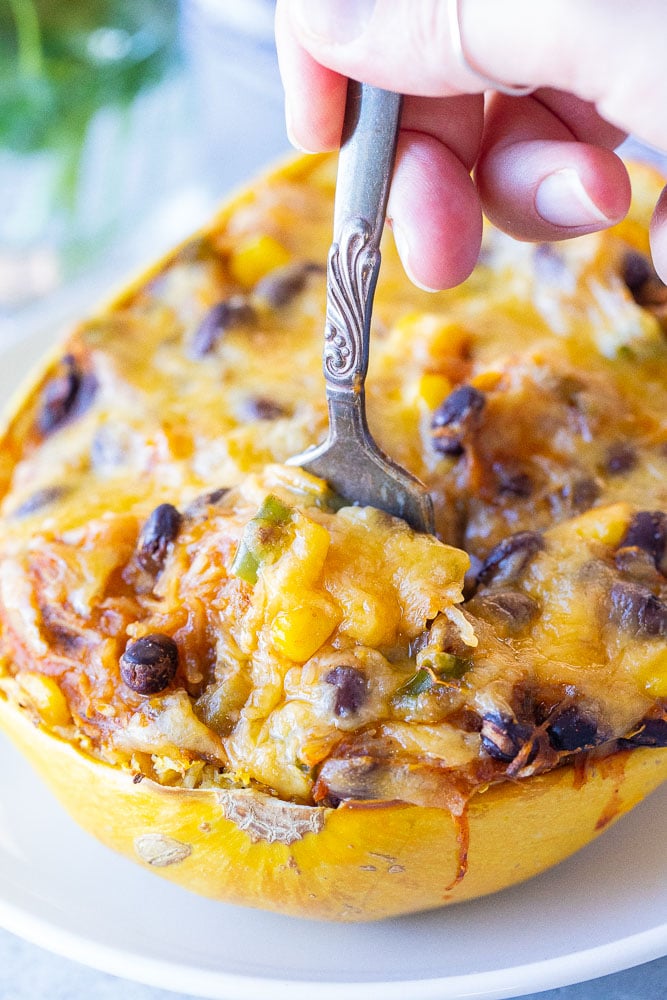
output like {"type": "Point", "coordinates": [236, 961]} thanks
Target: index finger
{"type": "Point", "coordinates": [314, 95]}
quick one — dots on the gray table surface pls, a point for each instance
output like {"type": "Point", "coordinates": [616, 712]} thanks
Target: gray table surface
{"type": "Point", "coordinates": [28, 972]}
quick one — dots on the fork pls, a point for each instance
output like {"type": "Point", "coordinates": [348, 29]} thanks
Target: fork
{"type": "Point", "coordinates": [350, 460]}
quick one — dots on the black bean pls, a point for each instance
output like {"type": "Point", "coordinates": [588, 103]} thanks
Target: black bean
{"type": "Point", "coordinates": [441, 636]}
{"type": "Point", "coordinates": [636, 609]}
{"type": "Point", "coordinates": [569, 389]}
{"type": "Point", "coordinates": [511, 608]}
{"type": "Point", "coordinates": [39, 500]}
{"type": "Point", "coordinates": [226, 315]}
{"type": "Point", "coordinates": [528, 703]}
{"type": "Point", "coordinates": [637, 269]}
{"type": "Point", "coordinates": [459, 413]}
{"type": "Point", "coordinates": [351, 689]}
{"type": "Point", "coordinates": [648, 531]}
{"type": "Point", "coordinates": [356, 777]}
{"type": "Point", "coordinates": [651, 733]}
{"type": "Point", "coordinates": [507, 560]}
{"type": "Point", "coordinates": [621, 457]}
{"type": "Point", "coordinates": [419, 642]}
{"type": "Point", "coordinates": [513, 483]}
{"type": "Point", "coordinates": [636, 563]}
{"type": "Point", "coordinates": [282, 285]}
{"type": "Point", "coordinates": [261, 408]}
{"type": "Point", "coordinates": [198, 507]}
{"type": "Point", "coordinates": [66, 396]}
{"type": "Point", "coordinates": [160, 529]}
{"type": "Point", "coordinates": [583, 493]}
{"type": "Point", "coordinates": [211, 499]}
{"type": "Point", "coordinates": [503, 737]}
{"type": "Point", "coordinates": [643, 283]}
{"type": "Point", "coordinates": [149, 665]}
{"type": "Point", "coordinates": [573, 729]}
{"type": "Point", "coordinates": [215, 496]}
{"type": "Point", "coordinates": [59, 633]}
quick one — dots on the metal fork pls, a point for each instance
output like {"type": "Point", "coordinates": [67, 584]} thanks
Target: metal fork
{"type": "Point", "coordinates": [349, 459]}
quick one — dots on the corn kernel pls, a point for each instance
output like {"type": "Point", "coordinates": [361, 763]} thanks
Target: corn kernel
{"type": "Point", "coordinates": [434, 388]}
{"type": "Point", "coordinates": [657, 686]}
{"type": "Point", "coordinates": [411, 322]}
{"type": "Point", "coordinates": [486, 381]}
{"type": "Point", "coordinates": [241, 776]}
{"type": "Point", "coordinates": [653, 674]}
{"type": "Point", "coordinates": [447, 339]}
{"type": "Point", "coordinates": [604, 524]}
{"type": "Point", "coordinates": [310, 547]}
{"type": "Point", "coordinates": [254, 259]}
{"type": "Point", "coordinates": [633, 231]}
{"type": "Point", "coordinates": [431, 337]}
{"type": "Point", "coordinates": [46, 698]}
{"type": "Point", "coordinates": [301, 564]}
{"type": "Point", "coordinates": [298, 632]}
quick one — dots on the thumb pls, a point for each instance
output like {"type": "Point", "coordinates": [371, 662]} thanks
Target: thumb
{"type": "Point", "coordinates": [400, 45]}
{"type": "Point", "coordinates": [605, 52]}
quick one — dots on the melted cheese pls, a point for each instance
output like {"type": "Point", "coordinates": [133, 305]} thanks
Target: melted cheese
{"type": "Point", "coordinates": [352, 652]}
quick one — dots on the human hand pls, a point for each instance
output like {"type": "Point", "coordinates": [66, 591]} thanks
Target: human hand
{"type": "Point", "coordinates": [544, 166]}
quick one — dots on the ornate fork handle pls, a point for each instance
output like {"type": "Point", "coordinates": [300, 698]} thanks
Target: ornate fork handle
{"type": "Point", "coordinates": [353, 266]}
{"type": "Point", "coordinates": [364, 176]}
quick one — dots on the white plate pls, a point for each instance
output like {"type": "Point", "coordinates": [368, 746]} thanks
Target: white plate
{"type": "Point", "coordinates": [601, 911]}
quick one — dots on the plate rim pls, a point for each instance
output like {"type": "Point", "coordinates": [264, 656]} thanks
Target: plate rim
{"type": "Point", "coordinates": [181, 977]}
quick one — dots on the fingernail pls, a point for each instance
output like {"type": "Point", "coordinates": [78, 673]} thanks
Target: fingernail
{"type": "Point", "coordinates": [562, 200]}
{"type": "Point", "coordinates": [403, 248]}
{"type": "Point", "coordinates": [338, 21]}
{"type": "Point", "coordinates": [289, 128]}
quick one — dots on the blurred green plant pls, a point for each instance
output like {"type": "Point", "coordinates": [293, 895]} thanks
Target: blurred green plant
{"type": "Point", "coordinates": [61, 61]}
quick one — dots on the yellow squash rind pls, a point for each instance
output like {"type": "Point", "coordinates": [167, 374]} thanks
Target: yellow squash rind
{"type": "Point", "coordinates": [376, 860]}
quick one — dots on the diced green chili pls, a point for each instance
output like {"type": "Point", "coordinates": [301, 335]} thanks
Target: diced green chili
{"type": "Point", "coordinates": [263, 538]}
{"type": "Point", "coordinates": [435, 668]}
{"type": "Point", "coordinates": [443, 664]}
{"type": "Point", "coordinates": [416, 685]}
{"type": "Point", "coordinates": [245, 564]}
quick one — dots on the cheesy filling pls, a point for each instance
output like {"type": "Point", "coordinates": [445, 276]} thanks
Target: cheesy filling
{"type": "Point", "coordinates": [177, 601]}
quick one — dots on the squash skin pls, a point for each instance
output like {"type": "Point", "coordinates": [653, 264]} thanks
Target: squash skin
{"type": "Point", "coordinates": [360, 862]}
{"type": "Point", "coordinates": [354, 863]}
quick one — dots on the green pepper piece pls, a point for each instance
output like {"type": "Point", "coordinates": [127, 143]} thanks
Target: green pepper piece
{"type": "Point", "coordinates": [262, 539]}
{"type": "Point", "coordinates": [245, 564]}
{"type": "Point", "coordinates": [274, 511]}
{"type": "Point", "coordinates": [434, 668]}
{"type": "Point", "coordinates": [416, 685]}
{"type": "Point", "coordinates": [444, 664]}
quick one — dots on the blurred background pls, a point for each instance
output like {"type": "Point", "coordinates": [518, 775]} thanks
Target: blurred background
{"type": "Point", "coordinates": [122, 124]}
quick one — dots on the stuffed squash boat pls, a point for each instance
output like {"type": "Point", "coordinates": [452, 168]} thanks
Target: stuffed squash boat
{"type": "Point", "coordinates": [277, 699]}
